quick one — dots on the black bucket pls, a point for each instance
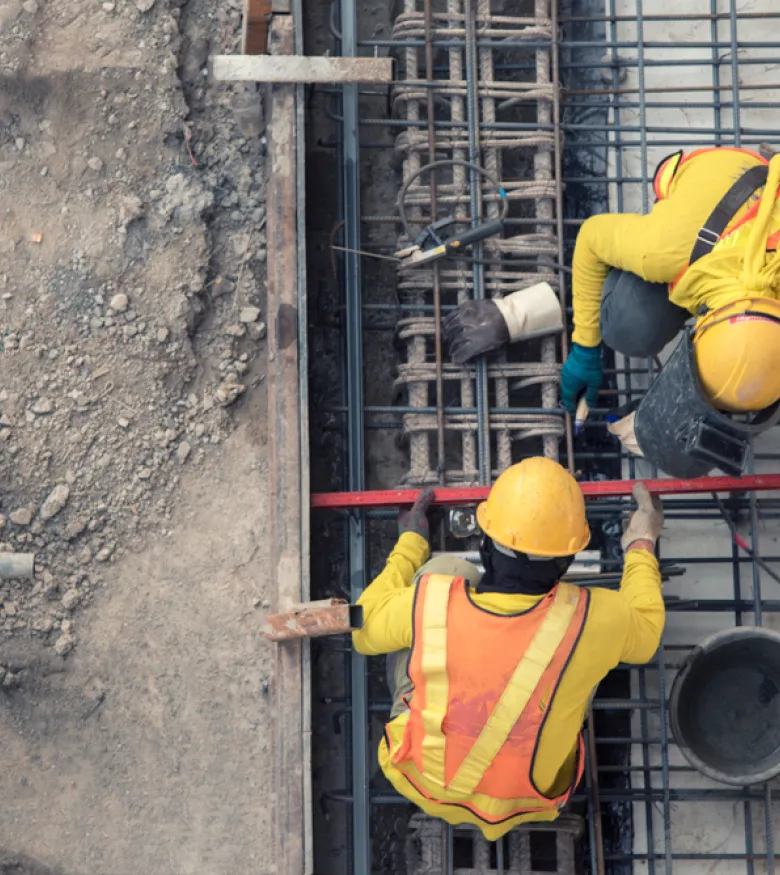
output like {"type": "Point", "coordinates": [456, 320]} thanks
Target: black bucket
{"type": "Point", "coordinates": [679, 431]}
{"type": "Point", "coordinates": [725, 706]}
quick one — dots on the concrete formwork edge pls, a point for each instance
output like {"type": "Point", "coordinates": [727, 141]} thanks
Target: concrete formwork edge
{"type": "Point", "coordinates": [287, 455]}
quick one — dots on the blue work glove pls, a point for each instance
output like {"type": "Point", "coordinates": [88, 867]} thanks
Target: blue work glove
{"type": "Point", "coordinates": [582, 371]}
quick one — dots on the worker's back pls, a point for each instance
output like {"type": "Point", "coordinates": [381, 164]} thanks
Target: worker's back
{"type": "Point", "coordinates": [618, 626]}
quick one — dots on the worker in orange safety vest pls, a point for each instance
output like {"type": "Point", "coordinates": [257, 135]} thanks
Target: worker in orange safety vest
{"type": "Point", "coordinates": [491, 672]}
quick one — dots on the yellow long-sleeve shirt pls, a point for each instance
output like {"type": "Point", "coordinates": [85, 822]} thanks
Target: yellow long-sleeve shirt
{"type": "Point", "coordinates": [657, 246]}
{"type": "Point", "coordinates": [622, 626]}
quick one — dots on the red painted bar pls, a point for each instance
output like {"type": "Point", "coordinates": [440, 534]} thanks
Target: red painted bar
{"type": "Point", "coordinates": [443, 496]}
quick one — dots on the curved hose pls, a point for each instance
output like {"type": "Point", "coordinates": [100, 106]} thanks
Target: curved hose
{"type": "Point", "coordinates": [449, 163]}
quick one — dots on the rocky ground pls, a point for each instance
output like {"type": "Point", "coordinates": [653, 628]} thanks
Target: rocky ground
{"type": "Point", "coordinates": [131, 290]}
{"type": "Point", "coordinates": [132, 442]}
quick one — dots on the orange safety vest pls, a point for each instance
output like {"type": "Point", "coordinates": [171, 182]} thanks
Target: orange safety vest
{"type": "Point", "coordinates": [667, 170]}
{"type": "Point", "coordinates": [483, 686]}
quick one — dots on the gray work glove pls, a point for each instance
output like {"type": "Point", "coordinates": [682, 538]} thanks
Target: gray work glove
{"type": "Point", "coordinates": [477, 327]}
{"type": "Point", "coordinates": [415, 519]}
{"type": "Point", "coordinates": [646, 521]}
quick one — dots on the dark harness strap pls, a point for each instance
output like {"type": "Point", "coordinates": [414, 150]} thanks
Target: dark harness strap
{"type": "Point", "coordinates": [725, 211]}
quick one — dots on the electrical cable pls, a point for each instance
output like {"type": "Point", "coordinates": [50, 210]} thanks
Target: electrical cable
{"type": "Point", "coordinates": [740, 541]}
{"type": "Point", "coordinates": [455, 256]}
{"type": "Point", "coordinates": [449, 163]}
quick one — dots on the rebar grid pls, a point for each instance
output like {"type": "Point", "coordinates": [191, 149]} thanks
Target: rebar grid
{"type": "Point", "coordinates": [468, 93]}
{"type": "Point", "coordinates": [431, 849]}
{"type": "Point", "coordinates": [613, 56]}
{"type": "Point", "coordinates": [711, 85]}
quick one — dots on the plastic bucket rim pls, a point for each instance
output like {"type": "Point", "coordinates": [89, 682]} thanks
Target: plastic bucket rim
{"type": "Point", "coordinates": [708, 645]}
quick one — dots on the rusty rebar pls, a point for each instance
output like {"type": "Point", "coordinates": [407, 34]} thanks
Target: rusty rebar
{"type": "Point", "coordinates": [440, 460]}
{"type": "Point", "coordinates": [558, 159]}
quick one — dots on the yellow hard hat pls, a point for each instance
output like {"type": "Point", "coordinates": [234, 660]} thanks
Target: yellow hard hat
{"type": "Point", "coordinates": [737, 350]}
{"type": "Point", "coordinates": [536, 507]}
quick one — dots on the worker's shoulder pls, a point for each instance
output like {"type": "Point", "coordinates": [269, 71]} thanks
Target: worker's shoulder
{"type": "Point", "coordinates": [721, 155]}
{"type": "Point", "coordinates": [714, 167]}
{"type": "Point", "coordinates": [606, 608]}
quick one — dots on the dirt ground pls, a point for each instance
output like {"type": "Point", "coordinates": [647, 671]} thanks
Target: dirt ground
{"type": "Point", "coordinates": [133, 721]}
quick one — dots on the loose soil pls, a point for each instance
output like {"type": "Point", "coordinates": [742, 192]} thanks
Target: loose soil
{"type": "Point", "coordinates": [133, 684]}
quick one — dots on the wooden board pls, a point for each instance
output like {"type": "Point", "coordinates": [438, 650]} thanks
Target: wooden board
{"type": "Point", "coordinates": [254, 34]}
{"type": "Point", "coordinates": [300, 69]}
{"type": "Point", "coordinates": [284, 455]}
{"type": "Point", "coordinates": [314, 620]}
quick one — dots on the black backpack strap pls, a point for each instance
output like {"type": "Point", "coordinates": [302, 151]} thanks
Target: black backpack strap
{"type": "Point", "coordinates": [725, 211]}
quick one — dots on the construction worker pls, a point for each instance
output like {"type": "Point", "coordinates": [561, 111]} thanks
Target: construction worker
{"type": "Point", "coordinates": [491, 673]}
{"type": "Point", "coordinates": [708, 249]}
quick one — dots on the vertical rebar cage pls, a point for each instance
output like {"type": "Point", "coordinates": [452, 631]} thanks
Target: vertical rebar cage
{"type": "Point", "coordinates": [569, 106]}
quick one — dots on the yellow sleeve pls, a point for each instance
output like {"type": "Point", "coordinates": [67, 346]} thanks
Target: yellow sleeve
{"type": "Point", "coordinates": [653, 247]}
{"type": "Point", "coordinates": [641, 592]}
{"type": "Point", "coordinates": [388, 600]}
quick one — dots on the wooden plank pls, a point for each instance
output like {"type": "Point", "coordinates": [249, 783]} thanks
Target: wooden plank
{"type": "Point", "coordinates": [300, 69]}
{"type": "Point", "coordinates": [313, 620]}
{"type": "Point", "coordinates": [284, 454]}
{"type": "Point", "coordinates": [296, 8]}
{"type": "Point", "coordinates": [254, 33]}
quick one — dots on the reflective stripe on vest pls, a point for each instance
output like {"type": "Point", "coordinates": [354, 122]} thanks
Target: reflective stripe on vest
{"type": "Point", "coordinates": [665, 173]}
{"type": "Point", "coordinates": [434, 670]}
{"type": "Point", "coordinates": [471, 735]}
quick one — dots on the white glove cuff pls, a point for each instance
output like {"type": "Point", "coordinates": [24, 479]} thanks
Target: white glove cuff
{"type": "Point", "coordinates": [531, 312]}
{"type": "Point", "coordinates": [624, 431]}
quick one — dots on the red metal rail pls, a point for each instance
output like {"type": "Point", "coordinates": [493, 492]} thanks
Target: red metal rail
{"type": "Point", "coordinates": [389, 498]}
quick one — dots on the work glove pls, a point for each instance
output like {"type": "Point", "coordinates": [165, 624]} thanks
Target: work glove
{"type": "Point", "coordinates": [625, 431]}
{"type": "Point", "coordinates": [646, 521]}
{"type": "Point", "coordinates": [415, 519]}
{"type": "Point", "coordinates": [582, 371]}
{"type": "Point", "coordinates": [477, 327]}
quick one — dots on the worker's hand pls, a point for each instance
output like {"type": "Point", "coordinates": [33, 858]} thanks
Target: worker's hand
{"type": "Point", "coordinates": [582, 371]}
{"type": "Point", "coordinates": [475, 328]}
{"type": "Point", "coordinates": [415, 519]}
{"type": "Point", "coordinates": [624, 430]}
{"type": "Point", "coordinates": [646, 521]}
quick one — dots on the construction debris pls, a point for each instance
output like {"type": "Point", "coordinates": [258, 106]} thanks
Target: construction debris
{"type": "Point", "coordinates": [17, 565]}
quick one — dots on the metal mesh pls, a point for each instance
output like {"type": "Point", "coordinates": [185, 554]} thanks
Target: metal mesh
{"type": "Point", "coordinates": [432, 849]}
{"type": "Point", "coordinates": [471, 112]}
{"type": "Point", "coordinates": [643, 80]}
{"type": "Point", "coordinates": [577, 104]}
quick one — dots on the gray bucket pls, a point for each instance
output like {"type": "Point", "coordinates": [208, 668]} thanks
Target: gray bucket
{"type": "Point", "coordinates": [725, 706]}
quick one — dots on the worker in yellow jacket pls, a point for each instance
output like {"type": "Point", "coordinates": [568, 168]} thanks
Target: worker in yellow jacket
{"type": "Point", "coordinates": [491, 673]}
{"type": "Point", "coordinates": [708, 249]}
